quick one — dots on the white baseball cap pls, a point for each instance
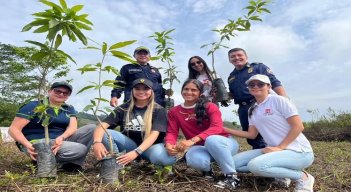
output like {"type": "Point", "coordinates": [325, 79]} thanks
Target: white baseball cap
{"type": "Point", "coordinates": [259, 77]}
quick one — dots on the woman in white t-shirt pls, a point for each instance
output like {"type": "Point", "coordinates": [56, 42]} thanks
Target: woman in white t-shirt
{"type": "Point", "coordinates": [199, 70]}
{"type": "Point", "coordinates": [288, 151]}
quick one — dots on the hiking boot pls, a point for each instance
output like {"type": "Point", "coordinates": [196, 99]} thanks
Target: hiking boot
{"type": "Point", "coordinates": [305, 185]}
{"type": "Point", "coordinates": [231, 181]}
{"type": "Point", "coordinates": [281, 182]}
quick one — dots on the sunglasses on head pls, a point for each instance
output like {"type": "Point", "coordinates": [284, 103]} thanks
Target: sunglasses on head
{"type": "Point", "coordinates": [253, 85]}
{"type": "Point", "coordinates": [59, 92]}
{"type": "Point", "coordinates": [196, 62]}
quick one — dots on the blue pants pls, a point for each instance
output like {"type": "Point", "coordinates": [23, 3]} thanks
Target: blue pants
{"type": "Point", "coordinates": [280, 164]}
{"type": "Point", "coordinates": [256, 143]}
{"type": "Point", "coordinates": [217, 148]}
{"type": "Point", "coordinates": [156, 154]}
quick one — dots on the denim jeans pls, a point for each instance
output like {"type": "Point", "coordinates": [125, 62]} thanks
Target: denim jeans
{"type": "Point", "coordinates": [156, 153]}
{"type": "Point", "coordinates": [280, 164]}
{"type": "Point", "coordinates": [217, 148]}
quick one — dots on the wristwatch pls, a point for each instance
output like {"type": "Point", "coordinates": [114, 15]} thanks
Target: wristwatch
{"type": "Point", "coordinates": [138, 150]}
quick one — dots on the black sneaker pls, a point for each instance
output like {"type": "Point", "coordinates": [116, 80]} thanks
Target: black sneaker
{"type": "Point", "coordinates": [208, 174]}
{"type": "Point", "coordinates": [231, 181]}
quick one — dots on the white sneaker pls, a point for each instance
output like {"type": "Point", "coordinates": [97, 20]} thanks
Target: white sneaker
{"type": "Point", "coordinates": [305, 185]}
{"type": "Point", "coordinates": [281, 182]}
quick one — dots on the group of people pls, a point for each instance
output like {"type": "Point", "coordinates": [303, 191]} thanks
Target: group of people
{"type": "Point", "coordinates": [269, 121]}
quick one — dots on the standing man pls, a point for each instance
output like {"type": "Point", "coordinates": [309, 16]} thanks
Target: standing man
{"type": "Point", "coordinates": [131, 72]}
{"type": "Point", "coordinates": [242, 72]}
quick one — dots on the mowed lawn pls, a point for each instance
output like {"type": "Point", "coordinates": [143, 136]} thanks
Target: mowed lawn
{"type": "Point", "coordinates": [331, 168]}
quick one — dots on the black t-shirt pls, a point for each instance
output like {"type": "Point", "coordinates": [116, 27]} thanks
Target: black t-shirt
{"type": "Point", "coordinates": [135, 129]}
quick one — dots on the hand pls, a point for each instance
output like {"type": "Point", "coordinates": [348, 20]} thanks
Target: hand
{"type": "Point", "coordinates": [171, 149]}
{"type": "Point", "coordinates": [184, 145]}
{"type": "Point", "coordinates": [114, 102]}
{"type": "Point", "coordinates": [271, 149]}
{"type": "Point", "coordinates": [127, 158]}
{"type": "Point", "coordinates": [99, 151]}
{"type": "Point", "coordinates": [57, 144]}
{"type": "Point", "coordinates": [32, 153]}
{"type": "Point", "coordinates": [169, 92]}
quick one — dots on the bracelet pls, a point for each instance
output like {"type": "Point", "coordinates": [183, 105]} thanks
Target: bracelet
{"type": "Point", "coordinates": [96, 142]}
{"type": "Point", "coordinates": [138, 150]}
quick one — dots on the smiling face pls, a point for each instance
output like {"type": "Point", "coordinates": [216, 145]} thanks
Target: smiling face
{"type": "Point", "coordinates": [58, 95]}
{"type": "Point", "coordinates": [197, 65]}
{"type": "Point", "coordinates": [238, 59]}
{"type": "Point", "coordinates": [142, 92]}
{"type": "Point", "coordinates": [190, 93]}
{"type": "Point", "coordinates": [258, 88]}
{"type": "Point", "coordinates": [142, 57]}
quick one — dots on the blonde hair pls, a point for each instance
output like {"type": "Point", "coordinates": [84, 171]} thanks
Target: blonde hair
{"type": "Point", "coordinates": [147, 117]}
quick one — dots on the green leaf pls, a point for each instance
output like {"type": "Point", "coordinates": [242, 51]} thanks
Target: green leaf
{"type": "Point", "coordinates": [63, 4]}
{"type": "Point", "coordinates": [88, 107]}
{"type": "Point", "coordinates": [53, 23]}
{"type": "Point", "coordinates": [264, 10]}
{"type": "Point", "coordinates": [77, 8]}
{"type": "Point", "coordinates": [43, 46]}
{"type": "Point", "coordinates": [39, 55]}
{"type": "Point", "coordinates": [91, 47]}
{"type": "Point", "coordinates": [35, 23]}
{"type": "Point", "coordinates": [121, 44]}
{"type": "Point", "coordinates": [80, 35]}
{"type": "Point", "coordinates": [66, 55]}
{"type": "Point", "coordinates": [119, 53]}
{"type": "Point", "coordinates": [104, 48]}
{"type": "Point", "coordinates": [82, 26]}
{"type": "Point", "coordinates": [42, 29]}
{"type": "Point", "coordinates": [102, 99]}
{"type": "Point", "coordinates": [53, 5]}
{"type": "Point", "coordinates": [58, 41]}
{"type": "Point", "coordinates": [86, 88]}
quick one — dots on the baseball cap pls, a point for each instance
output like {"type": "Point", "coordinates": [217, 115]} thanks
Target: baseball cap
{"type": "Point", "coordinates": [142, 81]}
{"type": "Point", "coordinates": [141, 48]}
{"type": "Point", "coordinates": [259, 77]}
{"type": "Point", "coordinates": [62, 84]}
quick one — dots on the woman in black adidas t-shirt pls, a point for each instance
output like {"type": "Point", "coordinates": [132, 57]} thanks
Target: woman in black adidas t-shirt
{"type": "Point", "coordinates": [142, 123]}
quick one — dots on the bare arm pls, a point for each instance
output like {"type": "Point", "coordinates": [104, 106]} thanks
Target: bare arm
{"type": "Point", "coordinates": [250, 134]}
{"type": "Point", "coordinates": [99, 149]}
{"type": "Point", "coordinates": [280, 91]}
{"type": "Point", "coordinates": [15, 132]}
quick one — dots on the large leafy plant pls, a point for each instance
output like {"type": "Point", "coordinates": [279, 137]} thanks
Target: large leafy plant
{"type": "Point", "coordinates": [96, 103]}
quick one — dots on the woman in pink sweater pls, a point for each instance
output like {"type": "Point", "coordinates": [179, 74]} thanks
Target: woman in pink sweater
{"type": "Point", "coordinates": [205, 139]}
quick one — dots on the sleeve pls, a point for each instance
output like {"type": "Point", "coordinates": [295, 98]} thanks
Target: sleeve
{"type": "Point", "coordinates": [216, 123]}
{"type": "Point", "coordinates": [114, 119]}
{"type": "Point", "coordinates": [159, 120]}
{"type": "Point", "coordinates": [27, 110]}
{"type": "Point", "coordinates": [267, 71]}
{"type": "Point", "coordinates": [120, 83]}
{"type": "Point", "coordinates": [172, 128]}
{"type": "Point", "coordinates": [71, 111]}
{"type": "Point", "coordinates": [286, 107]}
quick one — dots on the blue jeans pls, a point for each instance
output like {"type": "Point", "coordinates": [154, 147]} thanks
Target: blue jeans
{"type": "Point", "coordinates": [156, 153]}
{"type": "Point", "coordinates": [280, 164]}
{"type": "Point", "coordinates": [217, 148]}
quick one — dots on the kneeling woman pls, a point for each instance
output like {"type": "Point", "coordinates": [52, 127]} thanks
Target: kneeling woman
{"type": "Point", "coordinates": [143, 124]}
{"type": "Point", "coordinates": [205, 139]}
{"type": "Point", "coordinates": [288, 151]}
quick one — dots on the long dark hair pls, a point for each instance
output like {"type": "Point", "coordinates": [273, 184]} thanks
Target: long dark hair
{"type": "Point", "coordinates": [193, 73]}
{"type": "Point", "coordinates": [200, 107]}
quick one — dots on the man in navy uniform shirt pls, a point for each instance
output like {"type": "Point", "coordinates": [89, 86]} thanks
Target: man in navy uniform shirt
{"type": "Point", "coordinates": [131, 72]}
{"type": "Point", "coordinates": [242, 72]}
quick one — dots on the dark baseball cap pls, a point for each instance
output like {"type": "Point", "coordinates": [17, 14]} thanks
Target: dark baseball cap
{"type": "Point", "coordinates": [142, 81]}
{"type": "Point", "coordinates": [62, 84]}
{"type": "Point", "coordinates": [141, 48]}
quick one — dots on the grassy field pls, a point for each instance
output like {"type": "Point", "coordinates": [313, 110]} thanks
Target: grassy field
{"type": "Point", "coordinates": [332, 170]}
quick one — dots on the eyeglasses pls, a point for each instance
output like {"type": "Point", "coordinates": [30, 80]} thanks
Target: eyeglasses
{"type": "Point", "coordinates": [196, 62]}
{"type": "Point", "coordinates": [253, 85]}
{"type": "Point", "coordinates": [59, 92]}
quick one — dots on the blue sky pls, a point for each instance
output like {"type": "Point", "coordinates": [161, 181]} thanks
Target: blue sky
{"type": "Point", "coordinates": [307, 43]}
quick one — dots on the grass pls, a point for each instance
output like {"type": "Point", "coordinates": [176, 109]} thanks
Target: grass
{"type": "Point", "coordinates": [332, 170]}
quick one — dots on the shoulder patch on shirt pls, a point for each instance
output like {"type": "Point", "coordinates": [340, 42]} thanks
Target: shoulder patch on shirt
{"type": "Point", "coordinates": [250, 70]}
{"type": "Point", "coordinates": [269, 71]}
{"type": "Point", "coordinates": [231, 79]}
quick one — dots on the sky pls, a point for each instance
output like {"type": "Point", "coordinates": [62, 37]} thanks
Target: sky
{"type": "Point", "coordinates": [306, 43]}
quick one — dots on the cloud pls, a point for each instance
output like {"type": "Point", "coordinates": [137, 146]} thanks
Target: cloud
{"type": "Point", "coordinates": [205, 6]}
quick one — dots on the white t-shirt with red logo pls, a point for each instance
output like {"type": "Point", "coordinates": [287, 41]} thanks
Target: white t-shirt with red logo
{"type": "Point", "coordinates": [270, 119]}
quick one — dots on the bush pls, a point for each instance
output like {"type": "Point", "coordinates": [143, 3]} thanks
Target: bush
{"type": "Point", "coordinates": [333, 126]}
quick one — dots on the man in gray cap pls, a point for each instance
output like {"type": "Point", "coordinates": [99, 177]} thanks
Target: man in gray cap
{"type": "Point", "coordinates": [131, 72]}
